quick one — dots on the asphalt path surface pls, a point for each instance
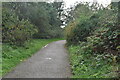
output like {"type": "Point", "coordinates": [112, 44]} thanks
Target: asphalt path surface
{"type": "Point", "coordinates": [50, 62]}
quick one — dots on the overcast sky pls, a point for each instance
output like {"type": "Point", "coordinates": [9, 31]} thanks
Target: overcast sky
{"type": "Point", "coordinates": [71, 2]}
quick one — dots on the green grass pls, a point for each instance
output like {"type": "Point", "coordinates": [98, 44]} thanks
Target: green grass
{"type": "Point", "coordinates": [0, 60]}
{"type": "Point", "coordinates": [84, 64]}
{"type": "Point", "coordinates": [12, 55]}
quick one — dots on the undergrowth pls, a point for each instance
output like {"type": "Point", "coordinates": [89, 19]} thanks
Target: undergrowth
{"type": "Point", "coordinates": [85, 64]}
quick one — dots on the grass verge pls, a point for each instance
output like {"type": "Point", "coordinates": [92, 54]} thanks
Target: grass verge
{"type": "Point", "coordinates": [84, 64]}
{"type": "Point", "coordinates": [13, 55]}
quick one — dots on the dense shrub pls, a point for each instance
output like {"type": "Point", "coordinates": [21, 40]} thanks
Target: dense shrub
{"type": "Point", "coordinates": [15, 31]}
{"type": "Point", "coordinates": [69, 35]}
{"type": "Point", "coordinates": [102, 23]}
{"type": "Point", "coordinates": [82, 29]}
{"type": "Point", "coordinates": [85, 64]}
{"type": "Point", "coordinates": [94, 37]}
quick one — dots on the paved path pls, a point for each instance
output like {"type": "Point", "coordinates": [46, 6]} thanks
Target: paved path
{"type": "Point", "coordinates": [50, 62]}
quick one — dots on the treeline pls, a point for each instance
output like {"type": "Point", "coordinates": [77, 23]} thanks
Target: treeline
{"type": "Point", "coordinates": [95, 30]}
{"type": "Point", "coordinates": [22, 21]}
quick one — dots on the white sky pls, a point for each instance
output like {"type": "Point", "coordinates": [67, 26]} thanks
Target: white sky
{"type": "Point", "coordinates": [71, 2]}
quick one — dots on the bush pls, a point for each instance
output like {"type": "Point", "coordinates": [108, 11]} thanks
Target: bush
{"type": "Point", "coordinates": [86, 64]}
{"type": "Point", "coordinates": [15, 31]}
{"type": "Point", "coordinates": [78, 31]}
{"type": "Point", "coordinates": [69, 35]}
{"type": "Point", "coordinates": [102, 24]}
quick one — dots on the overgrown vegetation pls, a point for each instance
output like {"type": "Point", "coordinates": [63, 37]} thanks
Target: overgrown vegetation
{"type": "Point", "coordinates": [93, 41]}
{"type": "Point", "coordinates": [87, 64]}
{"type": "Point", "coordinates": [30, 20]}
{"type": "Point", "coordinates": [16, 31]}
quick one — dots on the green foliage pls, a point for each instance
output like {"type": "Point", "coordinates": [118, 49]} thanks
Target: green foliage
{"type": "Point", "coordinates": [69, 33]}
{"type": "Point", "coordinates": [85, 64]}
{"type": "Point", "coordinates": [102, 24]}
{"type": "Point", "coordinates": [96, 38]}
{"type": "Point", "coordinates": [13, 55]}
{"type": "Point", "coordinates": [16, 31]}
{"type": "Point", "coordinates": [43, 15]}
{"type": "Point", "coordinates": [93, 20]}
{"type": "Point", "coordinates": [25, 20]}
{"type": "Point", "coordinates": [81, 30]}
{"type": "Point", "coordinates": [85, 22]}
